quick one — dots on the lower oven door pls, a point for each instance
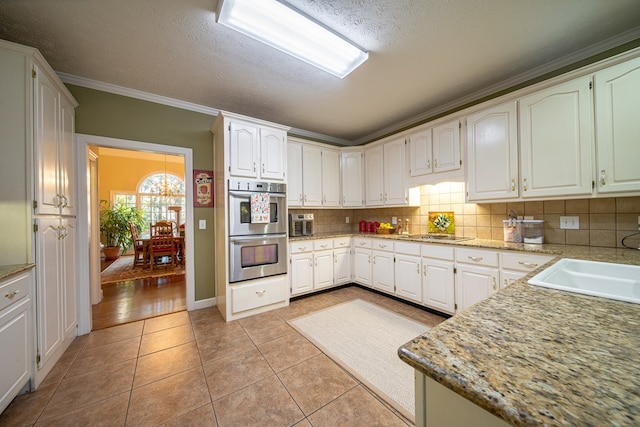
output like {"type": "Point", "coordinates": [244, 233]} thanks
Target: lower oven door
{"type": "Point", "coordinates": [253, 257]}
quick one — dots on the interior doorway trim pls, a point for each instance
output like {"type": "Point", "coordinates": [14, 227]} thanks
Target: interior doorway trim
{"type": "Point", "coordinates": [83, 142]}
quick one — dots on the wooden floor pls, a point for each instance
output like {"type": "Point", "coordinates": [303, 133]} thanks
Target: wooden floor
{"type": "Point", "coordinates": [133, 300]}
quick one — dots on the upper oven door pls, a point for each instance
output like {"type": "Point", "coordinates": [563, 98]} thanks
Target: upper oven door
{"type": "Point", "coordinates": [240, 214]}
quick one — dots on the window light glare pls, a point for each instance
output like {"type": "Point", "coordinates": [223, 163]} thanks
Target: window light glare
{"type": "Point", "coordinates": [273, 23]}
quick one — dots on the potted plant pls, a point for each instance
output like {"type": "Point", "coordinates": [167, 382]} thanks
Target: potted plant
{"type": "Point", "coordinates": [114, 226]}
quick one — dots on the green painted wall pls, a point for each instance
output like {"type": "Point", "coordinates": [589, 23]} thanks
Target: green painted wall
{"type": "Point", "coordinates": [115, 116]}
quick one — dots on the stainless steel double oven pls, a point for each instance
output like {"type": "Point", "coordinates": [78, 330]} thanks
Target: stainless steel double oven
{"type": "Point", "coordinates": [256, 249]}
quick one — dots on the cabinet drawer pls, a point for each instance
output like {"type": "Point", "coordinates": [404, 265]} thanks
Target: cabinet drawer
{"type": "Point", "coordinates": [342, 242]}
{"type": "Point", "coordinates": [13, 289]}
{"type": "Point", "coordinates": [323, 244]}
{"type": "Point", "coordinates": [382, 245]}
{"type": "Point", "coordinates": [301, 246]}
{"type": "Point", "coordinates": [408, 248]}
{"type": "Point", "coordinates": [438, 252]}
{"type": "Point", "coordinates": [477, 257]}
{"type": "Point", "coordinates": [523, 261]}
{"type": "Point", "coordinates": [360, 242]}
{"type": "Point", "coordinates": [266, 292]}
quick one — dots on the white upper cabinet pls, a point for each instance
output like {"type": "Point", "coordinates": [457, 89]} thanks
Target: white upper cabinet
{"type": "Point", "coordinates": [54, 132]}
{"type": "Point", "coordinates": [311, 175]}
{"type": "Point", "coordinates": [420, 152]}
{"type": "Point", "coordinates": [617, 91]}
{"type": "Point", "coordinates": [446, 147]}
{"type": "Point", "coordinates": [330, 178]}
{"type": "Point", "coordinates": [492, 146]}
{"type": "Point", "coordinates": [555, 136]}
{"type": "Point", "coordinates": [294, 169]}
{"type": "Point", "coordinates": [374, 180]}
{"type": "Point", "coordinates": [395, 189]}
{"type": "Point", "coordinates": [352, 175]}
{"type": "Point", "coordinates": [256, 152]}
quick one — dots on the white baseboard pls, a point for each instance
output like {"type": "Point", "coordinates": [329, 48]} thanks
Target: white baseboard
{"type": "Point", "coordinates": [204, 303]}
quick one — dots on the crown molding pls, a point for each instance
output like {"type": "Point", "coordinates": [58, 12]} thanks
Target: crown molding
{"type": "Point", "coordinates": [534, 73]}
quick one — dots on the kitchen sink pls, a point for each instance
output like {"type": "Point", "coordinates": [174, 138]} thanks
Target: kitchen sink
{"type": "Point", "coordinates": [600, 279]}
{"type": "Point", "coordinates": [449, 237]}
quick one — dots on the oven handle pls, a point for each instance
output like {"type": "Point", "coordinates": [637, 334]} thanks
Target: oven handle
{"type": "Point", "coordinates": [246, 194]}
{"type": "Point", "coordinates": [255, 237]}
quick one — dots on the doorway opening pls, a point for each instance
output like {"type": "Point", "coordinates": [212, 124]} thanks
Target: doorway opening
{"type": "Point", "coordinates": [136, 167]}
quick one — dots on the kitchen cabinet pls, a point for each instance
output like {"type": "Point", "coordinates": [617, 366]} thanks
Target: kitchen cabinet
{"type": "Point", "coordinates": [319, 264]}
{"type": "Point", "coordinates": [322, 263]}
{"type": "Point", "coordinates": [294, 170]}
{"type": "Point", "coordinates": [256, 151]}
{"type": "Point", "coordinates": [382, 265]}
{"type": "Point", "coordinates": [420, 152]}
{"type": "Point", "coordinates": [54, 130]}
{"type": "Point", "coordinates": [514, 266]}
{"type": "Point", "coordinates": [55, 289]}
{"type": "Point", "coordinates": [362, 261]}
{"type": "Point", "coordinates": [408, 274]}
{"type": "Point", "coordinates": [438, 280]}
{"type": "Point", "coordinates": [617, 90]}
{"type": "Point", "coordinates": [311, 175]}
{"type": "Point", "coordinates": [352, 174]}
{"type": "Point", "coordinates": [15, 335]}
{"type": "Point", "coordinates": [492, 146]}
{"type": "Point", "coordinates": [555, 136]}
{"type": "Point", "coordinates": [330, 178]}
{"type": "Point", "coordinates": [301, 273]}
{"type": "Point", "coordinates": [342, 260]}
{"type": "Point", "coordinates": [446, 146]}
{"type": "Point", "coordinates": [389, 187]}
{"type": "Point", "coordinates": [477, 276]}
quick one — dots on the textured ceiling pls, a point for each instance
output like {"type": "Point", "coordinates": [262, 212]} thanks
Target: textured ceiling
{"type": "Point", "coordinates": [423, 53]}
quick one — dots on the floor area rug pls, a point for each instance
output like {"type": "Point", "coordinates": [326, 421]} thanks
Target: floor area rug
{"type": "Point", "coordinates": [122, 269]}
{"type": "Point", "coordinates": [364, 339]}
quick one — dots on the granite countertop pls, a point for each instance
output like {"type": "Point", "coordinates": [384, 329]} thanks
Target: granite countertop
{"type": "Point", "coordinates": [537, 356]}
{"type": "Point", "coordinates": [10, 270]}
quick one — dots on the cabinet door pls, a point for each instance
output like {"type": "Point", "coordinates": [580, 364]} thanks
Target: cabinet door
{"type": "Point", "coordinates": [438, 290]}
{"type": "Point", "coordinates": [508, 277]}
{"type": "Point", "coordinates": [395, 189]}
{"type": "Point", "coordinates": [618, 127]}
{"type": "Point", "coordinates": [16, 356]}
{"type": "Point", "coordinates": [68, 276]}
{"type": "Point", "coordinates": [49, 292]}
{"type": "Point", "coordinates": [362, 266]}
{"type": "Point", "coordinates": [492, 147]}
{"type": "Point", "coordinates": [383, 271]}
{"type": "Point", "coordinates": [272, 154]}
{"type": "Point", "coordinates": [341, 266]}
{"type": "Point", "coordinates": [408, 277]}
{"type": "Point", "coordinates": [311, 175]}
{"type": "Point", "coordinates": [301, 273]}
{"type": "Point", "coordinates": [330, 178]}
{"type": "Point", "coordinates": [294, 170]}
{"type": "Point", "coordinates": [374, 180]}
{"type": "Point", "coordinates": [446, 147]}
{"type": "Point", "coordinates": [322, 269]}
{"type": "Point", "coordinates": [420, 148]}
{"type": "Point", "coordinates": [352, 175]}
{"type": "Point", "coordinates": [555, 137]}
{"type": "Point", "coordinates": [46, 145]}
{"type": "Point", "coordinates": [67, 159]}
{"type": "Point", "coordinates": [243, 148]}
{"type": "Point", "coordinates": [474, 284]}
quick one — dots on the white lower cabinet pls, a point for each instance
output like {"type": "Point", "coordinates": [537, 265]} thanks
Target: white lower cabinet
{"type": "Point", "coordinates": [301, 273]}
{"type": "Point", "coordinates": [15, 336]}
{"type": "Point", "coordinates": [322, 269]}
{"type": "Point", "coordinates": [382, 265]}
{"type": "Point", "coordinates": [362, 261]}
{"type": "Point", "coordinates": [515, 266]}
{"type": "Point", "coordinates": [341, 266]}
{"type": "Point", "coordinates": [319, 264]}
{"type": "Point", "coordinates": [438, 284]}
{"type": "Point", "coordinates": [477, 276]}
{"type": "Point", "coordinates": [408, 271]}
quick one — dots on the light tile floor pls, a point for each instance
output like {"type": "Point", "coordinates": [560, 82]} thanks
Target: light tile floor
{"type": "Point", "coordinates": [192, 368]}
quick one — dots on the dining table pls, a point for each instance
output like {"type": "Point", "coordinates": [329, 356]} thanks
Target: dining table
{"type": "Point", "coordinates": [178, 240]}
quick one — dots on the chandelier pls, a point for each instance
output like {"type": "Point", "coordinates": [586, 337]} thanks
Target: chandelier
{"type": "Point", "coordinates": [165, 188]}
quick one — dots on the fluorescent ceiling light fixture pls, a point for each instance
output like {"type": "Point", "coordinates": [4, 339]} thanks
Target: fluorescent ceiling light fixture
{"type": "Point", "coordinates": [278, 25]}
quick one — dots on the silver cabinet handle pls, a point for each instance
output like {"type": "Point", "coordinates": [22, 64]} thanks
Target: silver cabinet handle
{"type": "Point", "coordinates": [261, 293]}
{"type": "Point", "coordinates": [435, 163]}
{"type": "Point", "coordinates": [418, 268]}
{"type": "Point", "coordinates": [374, 259]}
{"type": "Point", "coordinates": [302, 248]}
{"type": "Point", "coordinates": [369, 259]}
{"type": "Point", "coordinates": [428, 164]}
{"type": "Point", "coordinates": [424, 270]}
{"type": "Point", "coordinates": [382, 245]}
{"type": "Point", "coordinates": [506, 282]}
{"type": "Point", "coordinates": [324, 199]}
{"type": "Point", "coordinates": [385, 197]}
{"type": "Point", "coordinates": [12, 294]}
{"type": "Point", "coordinates": [335, 258]}
{"type": "Point", "coordinates": [513, 185]}
{"type": "Point", "coordinates": [323, 246]}
{"type": "Point", "coordinates": [310, 262]}
{"type": "Point", "coordinates": [528, 264]}
{"type": "Point", "coordinates": [494, 284]}
{"type": "Point", "coordinates": [300, 196]}
{"type": "Point", "coordinates": [263, 168]}
{"type": "Point", "coordinates": [58, 200]}
{"type": "Point", "coordinates": [305, 197]}
{"type": "Point", "coordinates": [476, 258]}
{"type": "Point", "coordinates": [316, 261]}
{"type": "Point", "coordinates": [603, 177]}
{"type": "Point", "coordinates": [525, 184]}
{"type": "Point", "coordinates": [380, 196]}
{"type": "Point", "coordinates": [254, 166]}
{"type": "Point", "coordinates": [344, 200]}
{"type": "Point", "coordinates": [363, 243]}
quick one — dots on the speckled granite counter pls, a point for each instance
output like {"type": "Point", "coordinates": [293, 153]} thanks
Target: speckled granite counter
{"type": "Point", "coordinates": [537, 356]}
{"type": "Point", "coordinates": [10, 270]}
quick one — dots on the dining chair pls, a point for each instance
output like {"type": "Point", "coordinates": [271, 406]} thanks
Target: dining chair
{"type": "Point", "coordinates": [139, 256]}
{"type": "Point", "coordinates": [159, 247]}
{"type": "Point", "coordinates": [163, 228]}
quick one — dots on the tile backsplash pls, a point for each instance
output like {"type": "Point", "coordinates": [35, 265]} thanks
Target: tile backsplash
{"type": "Point", "coordinates": [604, 222]}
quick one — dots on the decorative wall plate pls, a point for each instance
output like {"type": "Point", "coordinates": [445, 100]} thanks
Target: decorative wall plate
{"type": "Point", "coordinates": [441, 222]}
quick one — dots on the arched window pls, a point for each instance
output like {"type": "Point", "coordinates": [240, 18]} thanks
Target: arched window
{"type": "Point", "coordinates": [157, 193]}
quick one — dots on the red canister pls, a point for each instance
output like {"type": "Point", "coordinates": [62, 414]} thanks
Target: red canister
{"type": "Point", "coordinates": [370, 228]}
{"type": "Point", "coordinates": [362, 226]}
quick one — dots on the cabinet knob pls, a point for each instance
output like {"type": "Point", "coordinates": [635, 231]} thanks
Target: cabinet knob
{"type": "Point", "coordinates": [528, 264]}
{"type": "Point", "coordinates": [525, 184]}
{"type": "Point", "coordinates": [513, 185]}
{"type": "Point", "coordinates": [603, 177]}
